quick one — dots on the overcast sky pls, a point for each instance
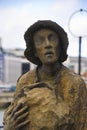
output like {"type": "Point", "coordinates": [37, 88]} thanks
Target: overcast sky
{"type": "Point", "coordinates": [17, 15]}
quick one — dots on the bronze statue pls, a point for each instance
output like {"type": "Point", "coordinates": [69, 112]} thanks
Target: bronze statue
{"type": "Point", "coordinates": [50, 97]}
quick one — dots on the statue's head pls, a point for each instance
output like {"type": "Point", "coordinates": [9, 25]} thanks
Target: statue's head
{"type": "Point", "coordinates": [30, 51]}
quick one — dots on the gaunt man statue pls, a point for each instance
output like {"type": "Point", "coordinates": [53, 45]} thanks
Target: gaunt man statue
{"type": "Point", "coordinates": [50, 97]}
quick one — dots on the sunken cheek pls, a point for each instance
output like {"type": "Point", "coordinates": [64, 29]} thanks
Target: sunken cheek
{"type": "Point", "coordinates": [40, 51]}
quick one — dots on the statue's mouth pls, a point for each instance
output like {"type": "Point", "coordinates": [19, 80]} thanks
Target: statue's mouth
{"type": "Point", "coordinates": [49, 53]}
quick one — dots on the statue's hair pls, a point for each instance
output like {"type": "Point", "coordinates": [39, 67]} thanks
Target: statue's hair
{"type": "Point", "coordinates": [45, 24]}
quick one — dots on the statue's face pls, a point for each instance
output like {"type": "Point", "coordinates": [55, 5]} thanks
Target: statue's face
{"type": "Point", "coordinates": [47, 46]}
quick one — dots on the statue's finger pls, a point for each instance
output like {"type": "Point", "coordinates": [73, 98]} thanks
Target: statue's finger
{"type": "Point", "coordinates": [17, 108]}
{"type": "Point", "coordinates": [22, 124]}
{"type": "Point", "coordinates": [20, 112]}
{"type": "Point", "coordinates": [9, 111]}
{"type": "Point", "coordinates": [22, 117]}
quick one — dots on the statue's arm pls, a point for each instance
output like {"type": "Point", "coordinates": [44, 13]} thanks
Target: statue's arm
{"type": "Point", "coordinates": [81, 119]}
{"type": "Point", "coordinates": [83, 106]}
{"type": "Point", "coordinates": [21, 112]}
{"type": "Point", "coordinates": [15, 116]}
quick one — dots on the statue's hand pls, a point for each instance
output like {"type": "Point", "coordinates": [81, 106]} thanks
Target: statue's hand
{"type": "Point", "coordinates": [16, 117]}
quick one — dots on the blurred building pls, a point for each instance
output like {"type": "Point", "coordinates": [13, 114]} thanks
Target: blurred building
{"type": "Point", "coordinates": [1, 63]}
{"type": "Point", "coordinates": [14, 64]}
{"type": "Point", "coordinates": [72, 63]}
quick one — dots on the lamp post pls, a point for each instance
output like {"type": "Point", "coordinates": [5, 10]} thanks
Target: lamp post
{"type": "Point", "coordinates": [76, 33]}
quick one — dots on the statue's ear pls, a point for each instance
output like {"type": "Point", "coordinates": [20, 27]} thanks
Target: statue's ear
{"type": "Point", "coordinates": [34, 50]}
{"type": "Point", "coordinates": [35, 53]}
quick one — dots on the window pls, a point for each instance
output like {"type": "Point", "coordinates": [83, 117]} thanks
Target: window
{"type": "Point", "coordinates": [25, 67]}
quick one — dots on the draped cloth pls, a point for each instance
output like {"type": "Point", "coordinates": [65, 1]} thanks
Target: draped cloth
{"type": "Point", "coordinates": [58, 104]}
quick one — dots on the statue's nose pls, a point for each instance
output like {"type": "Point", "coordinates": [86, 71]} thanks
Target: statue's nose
{"type": "Point", "coordinates": [47, 44]}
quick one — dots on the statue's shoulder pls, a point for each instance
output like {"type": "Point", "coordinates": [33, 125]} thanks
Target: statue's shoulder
{"type": "Point", "coordinates": [71, 77]}
{"type": "Point", "coordinates": [28, 75]}
{"type": "Point", "coordinates": [27, 78]}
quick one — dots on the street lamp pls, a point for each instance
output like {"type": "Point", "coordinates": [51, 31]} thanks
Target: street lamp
{"type": "Point", "coordinates": [78, 17]}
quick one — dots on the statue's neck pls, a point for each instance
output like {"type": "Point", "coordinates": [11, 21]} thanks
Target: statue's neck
{"type": "Point", "coordinates": [47, 72]}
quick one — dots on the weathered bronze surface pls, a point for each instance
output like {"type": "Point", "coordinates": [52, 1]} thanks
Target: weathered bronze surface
{"type": "Point", "coordinates": [50, 97]}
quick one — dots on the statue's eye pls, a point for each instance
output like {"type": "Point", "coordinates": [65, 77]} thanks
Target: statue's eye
{"type": "Point", "coordinates": [52, 37]}
{"type": "Point", "coordinates": [40, 39]}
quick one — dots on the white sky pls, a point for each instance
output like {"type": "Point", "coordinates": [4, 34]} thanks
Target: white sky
{"type": "Point", "coordinates": [16, 16]}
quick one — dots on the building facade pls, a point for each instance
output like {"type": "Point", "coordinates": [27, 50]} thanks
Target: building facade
{"type": "Point", "coordinates": [14, 67]}
{"type": "Point", "coordinates": [15, 64]}
{"type": "Point", "coordinates": [72, 63]}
